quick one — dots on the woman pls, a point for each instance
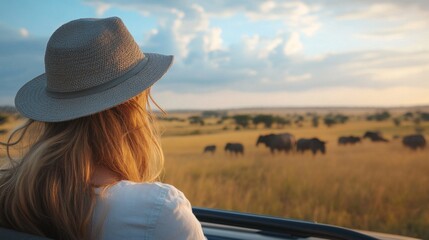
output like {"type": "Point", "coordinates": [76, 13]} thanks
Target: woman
{"type": "Point", "coordinates": [92, 169]}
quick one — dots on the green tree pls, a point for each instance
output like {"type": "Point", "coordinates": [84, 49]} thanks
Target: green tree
{"type": "Point", "coordinates": [379, 116]}
{"type": "Point", "coordinates": [242, 120]}
{"type": "Point", "coordinates": [340, 118]}
{"type": "Point", "coordinates": [196, 120]}
{"type": "Point", "coordinates": [397, 122]}
{"type": "Point", "coordinates": [315, 121]}
{"type": "Point", "coordinates": [408, 115]}
{"type": "Point", "coordinates": [328, 120]}
{"type": "Point", "coordinates": [267, 120]}
{"type": "Point", "coordinates": [281, 122]}
{"type": "Point", "coordinates": [424, 116]}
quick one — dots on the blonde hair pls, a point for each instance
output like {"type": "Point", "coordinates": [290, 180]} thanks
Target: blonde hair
{"type": "Point", "coordinates": [49, 192]}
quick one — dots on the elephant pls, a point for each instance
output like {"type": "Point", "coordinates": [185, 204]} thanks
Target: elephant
{"type": "Point", "coordinates": [348, 140]}
{"type": "Point", "coordinates": [284, 141]}
{"type": "Point", "coordinates": [374, 136]}
{"type": "Point", "coordinates": [234, 148]}
{"type": "Point", "coordinates": [210, 148]}
{"type": "Point", "coordinates": [414, 141]}
{"type": "Point", "coordinates": [313, 144]}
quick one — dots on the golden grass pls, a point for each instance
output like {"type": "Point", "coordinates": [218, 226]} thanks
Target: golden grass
{"type": "Point", "coordinates": [373, 186]}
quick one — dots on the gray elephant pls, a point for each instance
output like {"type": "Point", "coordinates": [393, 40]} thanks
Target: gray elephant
{"type": "Point", "coordinates": [313, 144]}
{"type": "Point", "coordinates": [210, 148]}
{"type": "Point", "coordinates": [374, 136]}
{"type": "Point", "coordinates": [348, 140]}
{"type": "Point", "coordinates": [414, 141]}
{"type": "Point", "coordinates": [280, 142]}
{"type": "Point", "coordinates": [236, 148]}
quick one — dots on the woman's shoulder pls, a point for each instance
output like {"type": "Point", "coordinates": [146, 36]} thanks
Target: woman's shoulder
{"type": "Point", "coordinates": [131, 200]}
{"type": "Point", "coordinates": [157, 209]}
{"type": "Point", "coordinates": [127, 191]}
{"type": "Point", "coordinates": [129, 186]}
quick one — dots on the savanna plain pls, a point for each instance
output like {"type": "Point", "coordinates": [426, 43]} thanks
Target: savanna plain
{"type": "Point", "coordinates": [375, 186]}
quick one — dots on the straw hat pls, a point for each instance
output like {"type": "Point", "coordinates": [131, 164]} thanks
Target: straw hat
{"type": "Point", "coordinates": [90, 65]}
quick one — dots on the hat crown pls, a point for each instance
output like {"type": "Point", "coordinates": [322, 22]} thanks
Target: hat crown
{"type": "Point", "coordinates": [86, 53]}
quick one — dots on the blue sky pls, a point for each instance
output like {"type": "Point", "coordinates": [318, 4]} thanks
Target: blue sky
{"type": "Point", "coordinates": [248, 53]}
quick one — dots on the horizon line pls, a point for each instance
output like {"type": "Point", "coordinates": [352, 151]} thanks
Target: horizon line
{"type": "Point", "coordinates": [278, 107]}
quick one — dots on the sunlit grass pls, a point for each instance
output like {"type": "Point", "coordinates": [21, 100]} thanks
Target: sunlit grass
{"type": "Point", "coordinates": [373, 186]}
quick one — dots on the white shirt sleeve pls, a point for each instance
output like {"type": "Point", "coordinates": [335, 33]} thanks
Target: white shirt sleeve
{"type": "Point", "coordinates": [176, 220]}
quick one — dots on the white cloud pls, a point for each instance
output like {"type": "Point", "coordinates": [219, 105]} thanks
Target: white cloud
{"type": "Point", "coordinates": [23, 32]}
{"type": "Point", "coordinates": [398, 31]}
{"type": "Point", "coordinates": [251, 43]}
{"type": "Point", "coordinates": [213, 40]}
{"type": "Point", "coordinates": [389, 69]}
{"type": "Point", "coordinates": [260, 47]}
{"type": "Point", "coordinates": [193, 38]}
{"type": "Point", "coordinates": [293, 45]}
{"type": "Point", "coordinates": [101, 8]}
{"type": "Point", "coordinates": [335, 96]}
{"type": "Point", "coordinates": [388, 21]}
{"type": "Point", "coordinates": [182, 39]}
{"type": "Point", "coordinates": [301, 17]}
{"type": "Point", "coordinates": [191, 26]}
{"type": "Point", "coordinates": [267, 6]}
{"type": "Point", "coordinates": [299, 78]}
{"type": "Point", "coordinates": [296, 15]}
{"type": "Point", "coordinates": [374, 11]}
{"type": "Point", "coordinates": [267, 46]}
{"type": "Point", "coordinates": [392, 74]}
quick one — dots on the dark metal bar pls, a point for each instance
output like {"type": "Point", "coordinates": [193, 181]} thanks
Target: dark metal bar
{"type": "Point", "coordinates": [277, 225]}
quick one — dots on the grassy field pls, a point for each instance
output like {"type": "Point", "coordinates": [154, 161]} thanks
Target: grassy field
{"type": "Point", "coordinates": [380, 187]}
{"type": "Point", "coordinates": [373, 186]}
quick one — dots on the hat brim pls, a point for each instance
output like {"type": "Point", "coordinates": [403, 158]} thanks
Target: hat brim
{"type": "Point", "coordinates": [33, 102]}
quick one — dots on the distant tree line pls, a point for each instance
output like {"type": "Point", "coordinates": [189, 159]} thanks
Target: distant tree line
{"type": "Point", "coordinates": [268, 121]}
{"type": "Point", "coordinates": [415, 117]}
{"type": "Point", "coordinates": [423, 116]}
{"type": "Point", "coordinates": [215, 114]}
{"type": "Point", "coordinates": [271, 120]}
{"type": "Point", "coordinates": [171, 119]}
{"type": "Point", "coordinates": [7, 110]}
{"type": "Point", "coordinates": [332, 119]}
{"type": "Point", "coordinates": [196, 120]}
{"type": "Point", "coordinates": [381, 116]}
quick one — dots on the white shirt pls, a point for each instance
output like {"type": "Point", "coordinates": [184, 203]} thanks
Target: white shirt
{"type": "Point", "coordinates": [129, 210]}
